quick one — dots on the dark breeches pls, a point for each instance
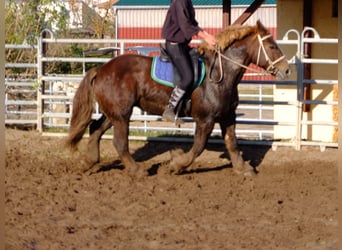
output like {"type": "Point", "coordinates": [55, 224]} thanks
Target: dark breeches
{"type": "Point", "coordinates": [179, 54]}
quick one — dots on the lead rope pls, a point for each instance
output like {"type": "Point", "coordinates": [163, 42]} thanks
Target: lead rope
{"type": "Point", "coordinates": [217, 52]}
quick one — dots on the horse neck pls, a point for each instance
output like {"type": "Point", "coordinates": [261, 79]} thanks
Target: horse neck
{"type": "Point", "coordinates": [246, 49]}
{"type": "Point", "coordinates": [233, 57]}
{"type": "Point", "coordinates": [253, 48]}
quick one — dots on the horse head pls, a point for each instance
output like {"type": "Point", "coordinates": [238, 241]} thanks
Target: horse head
{"type": "Point", "coordinates": [261, 48]}
{"type": "Point", "coordinates": [268, 55]}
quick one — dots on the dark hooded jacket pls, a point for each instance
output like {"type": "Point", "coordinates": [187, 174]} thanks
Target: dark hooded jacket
{"type": "Point", "coordinates": [180, 24]}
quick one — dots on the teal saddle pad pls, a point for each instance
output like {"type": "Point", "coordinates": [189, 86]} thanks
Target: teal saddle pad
{"type": "Point", "coordinates": [163, 72]}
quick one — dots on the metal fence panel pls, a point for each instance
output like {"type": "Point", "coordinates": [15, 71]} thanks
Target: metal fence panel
{"type": "Point", "coordinates": [20, 87]}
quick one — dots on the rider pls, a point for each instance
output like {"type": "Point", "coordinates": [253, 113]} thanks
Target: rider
{"type": "Point", "coordinates": [179, 27]}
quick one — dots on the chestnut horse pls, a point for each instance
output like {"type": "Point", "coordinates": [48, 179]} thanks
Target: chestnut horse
{"type": "Point", "coordinates": [125, 82]}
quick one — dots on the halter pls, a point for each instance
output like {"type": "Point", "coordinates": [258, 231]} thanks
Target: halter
{"type": "Point", "coordinates": [271, 64]}
{"type": "Point", "coordinates": [271, 68]}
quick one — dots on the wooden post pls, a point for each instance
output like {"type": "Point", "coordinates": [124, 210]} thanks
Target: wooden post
{"type": "Point", "coordinates": [307, 22]}
{"type": "Point", "coordinates": [226, 17]}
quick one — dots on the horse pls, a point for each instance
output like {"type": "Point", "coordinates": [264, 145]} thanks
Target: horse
{"type": "Point", "coordinates": [125, 81]}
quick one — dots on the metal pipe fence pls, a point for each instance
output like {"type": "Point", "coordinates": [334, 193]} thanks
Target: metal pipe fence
{"type": "Point", "coordinates": [20, 92]}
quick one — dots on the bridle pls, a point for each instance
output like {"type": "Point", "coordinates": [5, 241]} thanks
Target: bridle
{"type": "Point", "coordinates": [271, 64]}
{"type": "Point", "coordinates": [271, 69]}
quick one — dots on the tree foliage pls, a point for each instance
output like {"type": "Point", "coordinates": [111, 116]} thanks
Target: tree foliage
{"type": "Point", "coordinates": [26, 19]}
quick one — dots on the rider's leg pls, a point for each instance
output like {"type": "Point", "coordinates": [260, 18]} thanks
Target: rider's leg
{"type": "Point", "coordinates": [176, 96]}
{"type": "Point", "coordinates": [179, 54]}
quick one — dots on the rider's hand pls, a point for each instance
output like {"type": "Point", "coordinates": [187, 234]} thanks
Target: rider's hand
{"type": "Point", "coordinates": [210, 39]}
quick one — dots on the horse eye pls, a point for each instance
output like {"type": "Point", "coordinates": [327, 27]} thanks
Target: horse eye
{"type": "Point", "coordinates": [273, 47]}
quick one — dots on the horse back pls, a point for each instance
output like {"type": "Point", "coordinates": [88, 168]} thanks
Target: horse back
{"type": "Point", "coordinates": [127, 64]}
{"type": "Point", "coordinates": [125, 81]}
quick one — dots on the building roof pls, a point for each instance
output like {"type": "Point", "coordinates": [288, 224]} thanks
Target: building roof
{"type": "Point", "coordinates": [195, 2]}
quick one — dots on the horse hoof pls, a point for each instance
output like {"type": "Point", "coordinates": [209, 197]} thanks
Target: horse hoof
{"type": "Point", "coordinates": [91, 170]}
{"type": "Point", "coordinates": [176, 162]}
{"type": "Point", "coordinates": [137, 173]}
{"type": "Point", "coordinates": [85, 166]}
{"type": "Point", "coordinates": [247, 171]}
{"type": "Point", "coordinates": [163, 171]}
{"type": "Point", "coordinates": [175, 169]}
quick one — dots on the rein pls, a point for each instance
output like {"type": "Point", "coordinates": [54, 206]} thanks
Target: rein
{"type": "Point", "coordinates": [270, 69]}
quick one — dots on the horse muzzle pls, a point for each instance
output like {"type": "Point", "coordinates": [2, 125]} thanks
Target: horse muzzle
{"type": "Point", "coordinates": [283, 74]}
{"type": "Point", "coordinates": [281, 71]}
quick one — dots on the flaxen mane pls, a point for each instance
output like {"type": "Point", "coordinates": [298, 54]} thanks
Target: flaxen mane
{"type": "Point", "coordinates": [227, 36]}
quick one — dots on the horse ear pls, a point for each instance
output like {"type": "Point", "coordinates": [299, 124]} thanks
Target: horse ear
{"type": "Point", "coordinates": [261, 28]}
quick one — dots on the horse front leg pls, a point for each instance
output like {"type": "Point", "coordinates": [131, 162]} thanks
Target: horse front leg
{"type": "Point", "coordinates": [96, 129]}
{"type": "Point", "coordinates": [120, 142]}
{"type": "Point", "coordinates": [239, 165]}
{"type": "Point", "coordinates": [180, 161]}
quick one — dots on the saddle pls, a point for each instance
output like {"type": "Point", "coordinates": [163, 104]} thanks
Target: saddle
{"type": "Point", "coordinates": [164, 72]}
{"type": "Point", "coordinates": [164, 57]}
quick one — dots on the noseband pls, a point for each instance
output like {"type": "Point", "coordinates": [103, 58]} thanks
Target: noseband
{"type": "Point", "coordinates": [271, 69]}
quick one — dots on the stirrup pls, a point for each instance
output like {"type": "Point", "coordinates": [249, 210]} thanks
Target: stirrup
{"type": "Point", "coordinates": [178, 120]}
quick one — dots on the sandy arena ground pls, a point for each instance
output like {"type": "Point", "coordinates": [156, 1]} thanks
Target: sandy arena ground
{"type": "Point", "coordinates": [51, 204]}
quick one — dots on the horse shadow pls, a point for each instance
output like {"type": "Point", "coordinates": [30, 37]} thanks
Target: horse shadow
{"type": "Point", "coordinates": [251, 153]}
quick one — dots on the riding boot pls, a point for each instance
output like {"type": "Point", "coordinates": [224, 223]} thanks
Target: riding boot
{"type": "Point", "coordinates": [176, 96]}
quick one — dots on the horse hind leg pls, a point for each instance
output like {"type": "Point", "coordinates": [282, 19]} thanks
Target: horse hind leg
{"type": "Point", "coordinates": [120, 142]}
{"type": "Point", "coordinates": [96, 129]}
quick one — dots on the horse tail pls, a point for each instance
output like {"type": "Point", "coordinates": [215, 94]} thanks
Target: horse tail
{"type": "Point", "coordinates": [82, 109]}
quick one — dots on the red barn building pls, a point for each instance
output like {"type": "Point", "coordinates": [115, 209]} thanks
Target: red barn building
{"type": "Point", "coordinates": [143, 19]}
